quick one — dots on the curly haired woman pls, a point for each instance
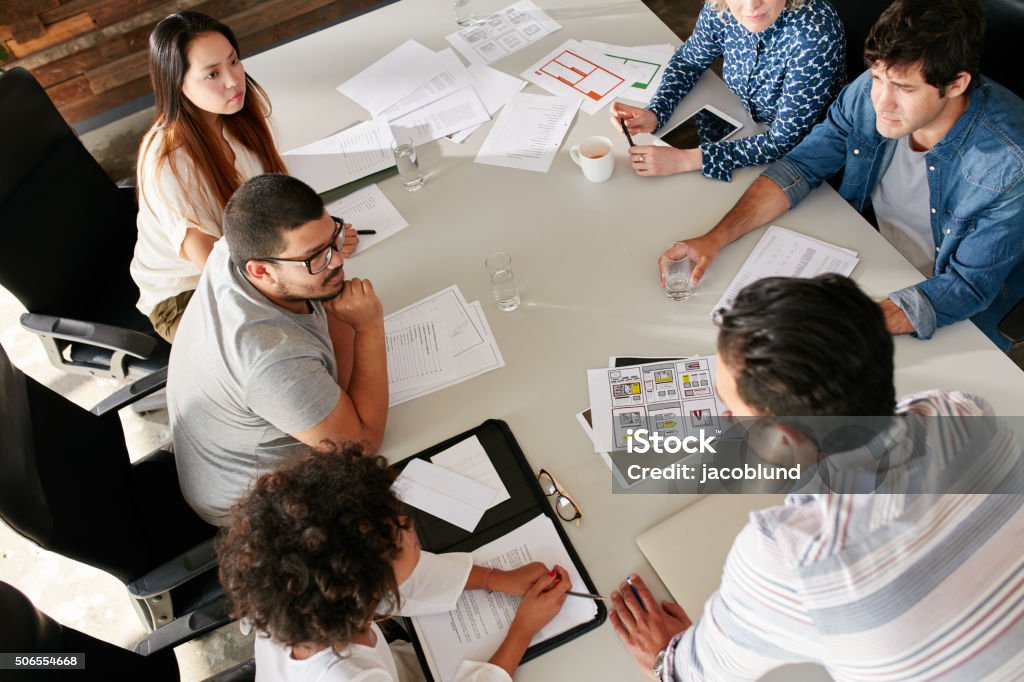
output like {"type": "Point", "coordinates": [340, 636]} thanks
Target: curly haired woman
{"type": "Point", "coordinates": [321, 548]}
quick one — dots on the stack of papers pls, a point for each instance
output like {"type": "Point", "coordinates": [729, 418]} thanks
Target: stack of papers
{"type": "Point", "coordinates": [369, 209]}
{"type": "Point", "coordinates": [503, 33]}
{"type": "Point", "coordinates": [427, 95]}
{"type": "Point", "coordinates": [458, 485]}
{"type": "Point", "coordinates": [784, 253]}
{"type": "Point", "coordinates": [437, 342]}
{"type": "Point", "coordinates": [343, 157]}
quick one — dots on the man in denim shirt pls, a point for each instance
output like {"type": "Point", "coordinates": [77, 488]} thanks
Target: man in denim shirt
{"type": "Point", "coordinates": [922, 116]}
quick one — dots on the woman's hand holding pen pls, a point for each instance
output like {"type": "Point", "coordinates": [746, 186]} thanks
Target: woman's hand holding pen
{"type": "Point", "coordinates": [637, 120]}
{"type": "Point", "coordinates": [518, 580]}
{"type": "Point", "coordinates": [348, 246]}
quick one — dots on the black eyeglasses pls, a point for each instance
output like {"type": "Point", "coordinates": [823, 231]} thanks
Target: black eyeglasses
{"type": "Point", "coordinates": [319, 261]}
{"type": "Point", "coordinates": [565, 506]}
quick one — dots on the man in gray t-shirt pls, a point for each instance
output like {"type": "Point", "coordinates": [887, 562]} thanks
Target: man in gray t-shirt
{"type": "Point", "coordinates": [276, 349]}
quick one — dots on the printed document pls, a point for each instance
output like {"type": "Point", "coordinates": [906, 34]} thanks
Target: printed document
{"type": "Point", "coordinates": [475, 629]}
{"type": "Point", "coordinates": [469, 458]}
{"type": "Point", "coordinates": [369, 209]}
{"type": "Point", "coordinates": [784, 253]}
{"type": "Point", "coordinates": [454, 77]}
{"type": "Point", "coordinates": [419, 350]}
{"type": "Point", "coordinates": [462, 109]}
{"type": "Point", "coordinates": [393, 76]}
{"type": "Point", "coordinates": [495, 89]}
{"type": "Point", "coordinates": [529, 132]}
{"type": "Point", "coordinates": [343, 157]}
{"type": "Point", "coordinates": [443, 493]}
{"type": "Point", "coordinates": [575, 70]}
{"type": "Point", "coordinates": [673, 397]}
{"type": "Point", "coordinates": [503, 33]}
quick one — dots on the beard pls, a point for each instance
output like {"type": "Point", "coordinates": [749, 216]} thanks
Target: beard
{"type": "Point", "coordinates": [324, 291]}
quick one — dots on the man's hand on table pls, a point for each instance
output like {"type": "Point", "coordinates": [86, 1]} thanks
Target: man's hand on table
{"type": "Point", "coordinates": [645, 632]}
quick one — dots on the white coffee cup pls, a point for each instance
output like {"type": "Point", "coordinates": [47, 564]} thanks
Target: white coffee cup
{"type": "Point", "coordinates": [594, 156]}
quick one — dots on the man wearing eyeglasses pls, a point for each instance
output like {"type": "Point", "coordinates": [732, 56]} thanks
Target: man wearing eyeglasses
{"type": "Point", "coordinates": [276, 348]}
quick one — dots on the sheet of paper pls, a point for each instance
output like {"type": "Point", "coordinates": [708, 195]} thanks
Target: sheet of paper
{"type": "Point", "coordinates": [503, 33]}
{"type": "Point", "coordinates": [454, 77]}
{"type": "Point", "coordinates": [495, 88]}
{"type": "Point", "coordinates": [475, 629]}
{"type": "Point", "coordinates": [369, 209]}
{"type": "Point", "coordinates": [575, 70]}
{"type": "Point", "coordinates": [644, 68]}
{"type": "Point", "coordinates": [528, 132]}
{"type": "Point", "coordinates": [443, 493]}
{"type": "Point", "coordinates": [462, 109]}
{"type": "Point", "coordinates": [343, 157]}
{"type": "Point", "coordinates": [479, 358]}
{"type": "Point", "coordinates": [393, 76]}
{"type": "Point", "coordinates": [418, 351]}
{"type": "Point", "coordinates": [469, 458]}
{"type": "Point", "coordinates": [673, 397]}
{"type": "Point", "coordinates": [784, 253]}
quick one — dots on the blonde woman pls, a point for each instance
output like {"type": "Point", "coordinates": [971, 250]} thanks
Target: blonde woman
{"type": "Point", "coordinates": [784, 59]}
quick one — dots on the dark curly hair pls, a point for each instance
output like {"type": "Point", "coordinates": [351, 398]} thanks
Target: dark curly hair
{"type": "Point", "coordinates": [809, 347]}
{"type": "Point", "coordinates": [308, 555]}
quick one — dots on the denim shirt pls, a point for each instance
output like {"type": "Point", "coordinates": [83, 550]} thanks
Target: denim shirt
{"type": "Point", "coordinates": [786, 75]}
{"type": "Point", "coordinates": [976, 188]}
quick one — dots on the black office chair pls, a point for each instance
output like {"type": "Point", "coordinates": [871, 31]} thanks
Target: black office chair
{"type": "Point", "coordinates": [1005, 26]}
{"type": "Point", "coordinates": [68, 236]}
{"type": "Point", "coordinates": [27, 630]}
{"type": "Point", "coordinates": [1012, 325]}
{"type": "Point", "coordinates": [67, 484]}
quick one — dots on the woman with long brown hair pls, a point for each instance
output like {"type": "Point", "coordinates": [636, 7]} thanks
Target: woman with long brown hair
{"type": "Point", "coordinates": [211, 134]}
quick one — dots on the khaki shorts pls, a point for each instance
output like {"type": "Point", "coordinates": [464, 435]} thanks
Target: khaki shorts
{"type": "Point", "coordinates": [167, 314]}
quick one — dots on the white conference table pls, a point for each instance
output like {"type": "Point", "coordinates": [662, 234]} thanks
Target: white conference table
{"type": "Point", "coordinates": [585, 255]}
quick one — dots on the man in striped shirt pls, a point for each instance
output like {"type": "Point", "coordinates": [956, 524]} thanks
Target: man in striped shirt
{"type": "Point", "coordinates": [878, 587]}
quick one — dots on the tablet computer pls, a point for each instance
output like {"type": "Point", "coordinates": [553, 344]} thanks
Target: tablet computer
{"type": "Point", "coordinates": [707, 124]}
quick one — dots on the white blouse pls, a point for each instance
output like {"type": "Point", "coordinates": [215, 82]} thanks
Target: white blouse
{"type": "Point", "coordinates": [167, 209]}
{"type": "Point", "coordinates": [433, 587]}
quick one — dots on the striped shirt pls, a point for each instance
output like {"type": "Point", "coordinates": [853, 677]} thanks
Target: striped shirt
{"type": "Point", "coordinates": [874, 587]}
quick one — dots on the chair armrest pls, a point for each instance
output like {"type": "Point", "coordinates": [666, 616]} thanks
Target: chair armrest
{"type": "Point", "coordinates": [178, 570]}
{"type": "Point", "coordinates": [106, 336]}
{"type": "Point", "coordinates": [137, 390]}
{"type": "Point", "coordinates": [186, 628]}
{"type": "Point", "coordinates": [1012, 325]}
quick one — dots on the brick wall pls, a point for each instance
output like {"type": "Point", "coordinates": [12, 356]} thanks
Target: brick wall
{"type": "Point", "coordinates": [90, 55]}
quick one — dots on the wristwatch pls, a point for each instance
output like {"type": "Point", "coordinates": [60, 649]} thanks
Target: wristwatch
{"type": "Point", "coordinates": [659, 663]}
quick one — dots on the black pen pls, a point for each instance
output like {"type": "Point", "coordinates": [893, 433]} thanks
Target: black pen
{"type": "Point", "coordinates": [625, 131]}
{"type": "Point", "coordinates": [366, 231]}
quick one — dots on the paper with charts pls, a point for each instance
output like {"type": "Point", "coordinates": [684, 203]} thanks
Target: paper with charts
{"type": "Point", "coordinates": [477, 626]}
{"type": "Point", "coordinates": [575, 70]}
{"type": "Point", "coordinates": [503, 33]}
{"type": "Point", "coordinates": [474, 350]}
{"type": "Point", "coordinates": [643, 66]}
{"type": "Point", "coordinates": [673, 397]}
{"type": "Point", "coordinates": [784, 253]}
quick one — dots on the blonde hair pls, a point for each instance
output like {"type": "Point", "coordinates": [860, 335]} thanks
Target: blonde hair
{"type": "Point", "coordinates": [722, 7]}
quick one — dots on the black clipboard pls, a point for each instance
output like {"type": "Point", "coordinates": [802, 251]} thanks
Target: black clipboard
{"type": "Point", "coordinates": [526, 501]}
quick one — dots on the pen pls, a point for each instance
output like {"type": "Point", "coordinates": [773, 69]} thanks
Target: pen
{"type": "Point", "coordinates": [585, 594]}
{"type": "Point", "coordinates": [366, 231]}
{"type": "Point", "coordinates": [629, 581]}
{"type": "Point", "coordinates": [625, 131]}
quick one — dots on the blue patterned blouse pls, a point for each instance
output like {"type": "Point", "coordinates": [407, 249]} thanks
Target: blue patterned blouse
{"type": "Point", "coordinates": [786, 75]}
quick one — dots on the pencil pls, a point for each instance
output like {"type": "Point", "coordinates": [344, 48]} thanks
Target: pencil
{"type": "Point", "coordinates": [585, 594]}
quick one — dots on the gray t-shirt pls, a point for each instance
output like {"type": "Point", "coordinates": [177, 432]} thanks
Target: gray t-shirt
{"type": "Point", "coordinates": [244, 373]}
{"type": "Point", "coordinates": [901, 201]}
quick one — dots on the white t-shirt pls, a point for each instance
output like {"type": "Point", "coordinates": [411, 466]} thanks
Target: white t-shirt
{"type": "Point", "coordinates": [902, 207]}
{"type": "Point", "coordinates": [167, 209]}
{"type": "Point", "coordinates": [433, 587]}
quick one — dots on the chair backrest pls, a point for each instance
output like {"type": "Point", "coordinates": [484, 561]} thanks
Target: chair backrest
{"type": "Point", "coordinates": [67, 484]}
{"type": "Point", "coordinates": [27, 630]}
{"type": "Point", "coordinates": [1005, 21]}
{"type": "Point", "coordinates": [68, 231]}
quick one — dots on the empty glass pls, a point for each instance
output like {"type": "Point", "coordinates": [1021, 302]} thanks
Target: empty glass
{"type": "Point", "coordinates": [503, 281]}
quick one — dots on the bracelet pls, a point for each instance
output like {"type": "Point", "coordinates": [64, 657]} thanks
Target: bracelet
{"type": "Point", "coordinates": [487, 579]}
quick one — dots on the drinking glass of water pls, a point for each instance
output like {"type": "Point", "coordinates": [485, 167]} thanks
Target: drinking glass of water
{"type": "Point", "coordinates": [464, 12]}
{"type": "Point", "coordinates": [408, 164]}
{"type": "Point", "coordinates": [503, 281]}
{"type": "Point", "coordinates": [677, 276]}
